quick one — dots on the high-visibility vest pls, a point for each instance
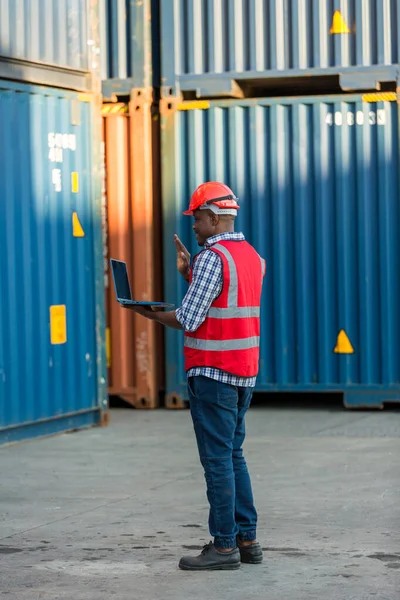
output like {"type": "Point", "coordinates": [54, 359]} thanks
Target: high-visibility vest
{"type": "Point", "coordinates": [229, 337]}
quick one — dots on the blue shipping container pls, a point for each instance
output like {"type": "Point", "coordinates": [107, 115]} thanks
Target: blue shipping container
{"type": "Point", "coordinates": [53, 42]}
{"type": "Point", "coordinates": [52, 359]}
{"type": "Point", "coordinates": [319, 183]}
{"type": "Point", "coordinates": [206, 43]}
{"type": "Point", "coordinates": [129, 45]}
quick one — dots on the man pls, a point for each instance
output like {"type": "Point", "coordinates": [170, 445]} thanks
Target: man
{"type": "Point", "coordinates": [220, 316]}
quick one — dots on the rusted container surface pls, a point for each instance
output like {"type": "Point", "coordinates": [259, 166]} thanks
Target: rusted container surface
{"type": "Point", "coordinates": [135, 346]}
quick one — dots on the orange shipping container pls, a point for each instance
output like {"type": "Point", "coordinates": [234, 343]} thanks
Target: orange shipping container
{"type": "Point", "coordinates": [135, 345]}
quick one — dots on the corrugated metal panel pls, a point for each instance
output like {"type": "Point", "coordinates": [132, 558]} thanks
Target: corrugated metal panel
{"type": "Point", "coordinates": [319, 185]}
{"type": "Point", "coordinates": [129, 56]}
{"type": "Point", "coordinates": [133, 228]}
{"type": "Point", "coordinates": [48, 31]}
{"type": "Point", "coordinates": [51, 374]}
{"type": "Point", "coordinates": [276, 36]}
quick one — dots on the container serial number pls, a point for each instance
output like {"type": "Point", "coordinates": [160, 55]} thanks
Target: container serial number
{"type": "Point", "coordinates": [359, 118]}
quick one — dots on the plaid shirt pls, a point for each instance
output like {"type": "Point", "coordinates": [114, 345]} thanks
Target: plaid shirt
{"type": "Point", "coordinates": [206, 286]}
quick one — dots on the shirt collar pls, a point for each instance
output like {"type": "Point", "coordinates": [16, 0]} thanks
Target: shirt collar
{"type": "Point", "coordinates": [232, 236]}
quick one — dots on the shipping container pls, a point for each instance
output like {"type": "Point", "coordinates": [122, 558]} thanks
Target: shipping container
{"type": "Point", "coordinates": [135, 346]}
{"type": "Point", "coordinates": [318, 180]}
{"type": "Point", "coordinates": [52, 318]}
{"type": "Point", "coordinates": [233, 47]}
{"type": "Point", "coordinates": [129, 33]}
{"type": "Point", "coordinates": [52, 42]}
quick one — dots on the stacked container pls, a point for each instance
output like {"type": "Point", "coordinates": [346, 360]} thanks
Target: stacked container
{"type": "Point", "coordinates": [52, 343]}
{"type": "Point", "coordinates": [132, 194]}
{"type": "Point", "coordinates": [294, 105]}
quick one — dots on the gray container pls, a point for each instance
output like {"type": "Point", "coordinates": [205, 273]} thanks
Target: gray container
{"type": "Point", "coordinates": [129, 46]}
{"type": "Point", "coordinates": [49, 41]}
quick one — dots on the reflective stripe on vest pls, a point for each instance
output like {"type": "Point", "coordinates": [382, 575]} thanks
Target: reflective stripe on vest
{"type": "Point", "coordinates": [233, 286]}
{"type": "Point", "coordinates": [220, 345]}
{"type": "Point", "coordinates": [263, 266]}
{"type": "Point", "coordinates": [238, 312]}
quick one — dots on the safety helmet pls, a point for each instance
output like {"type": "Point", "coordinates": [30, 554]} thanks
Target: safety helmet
{"type": "Point", "coordinates": [213, 196]}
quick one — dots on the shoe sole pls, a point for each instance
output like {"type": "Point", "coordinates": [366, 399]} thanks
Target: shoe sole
{"type": "Point", "coordinates": [254, 561]}
{"type": "Point", "coordinates": [231, 567]}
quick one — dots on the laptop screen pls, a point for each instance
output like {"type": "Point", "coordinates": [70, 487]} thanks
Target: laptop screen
{"type": "Point", "coordinates": [121, 280]}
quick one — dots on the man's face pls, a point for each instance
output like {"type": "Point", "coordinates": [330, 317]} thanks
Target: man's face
{"type": "Point", "coordinates": [204, 225]}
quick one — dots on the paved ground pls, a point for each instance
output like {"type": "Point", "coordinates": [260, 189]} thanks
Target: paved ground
{"type": "Point", "coordinates": [107, 513]}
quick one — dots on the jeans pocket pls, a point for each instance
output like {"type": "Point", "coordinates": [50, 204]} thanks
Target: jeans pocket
{"type": "Point", "coordinates": [245, 396]}
{"type": "Point", "coordinates": [190, 385]}
{"type": "Point", "coordinates": [227, 395]}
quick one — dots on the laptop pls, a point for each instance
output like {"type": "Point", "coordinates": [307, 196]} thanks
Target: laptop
{"type": "Point", "coordinates": [123, 289]}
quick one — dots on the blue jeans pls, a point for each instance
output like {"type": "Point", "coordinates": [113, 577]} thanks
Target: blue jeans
{"type": "Point", "coordinates": [218, 411]}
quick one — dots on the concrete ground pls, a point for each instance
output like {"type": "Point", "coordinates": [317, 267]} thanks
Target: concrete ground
{"type": "Point", "coordinates": [107, 513]}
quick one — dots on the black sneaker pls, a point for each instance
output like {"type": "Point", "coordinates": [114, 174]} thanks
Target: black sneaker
{"type": "Point", "coordinates": [252, 554]}
{"type": "Point", "coordinates": [211, 559]}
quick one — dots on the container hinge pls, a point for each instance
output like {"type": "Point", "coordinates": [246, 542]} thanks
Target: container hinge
{"type": "Point", "coordinates": [170, 104]}
{"type": "Point", "coordinates": [142, 95]}
{"type": "Point", "coordinates": [370, 79]}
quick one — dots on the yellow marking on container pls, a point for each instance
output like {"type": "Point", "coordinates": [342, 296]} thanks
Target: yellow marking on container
{"type": "Point", "coordinates": [74, 182]}
{"type": "Point", "coordinates": [114, 109]}
{"type": "Point", "coordinates": [195, 105]}
{"type": "Point", "coordinates": [85, 97]}
{"type": "Point", "coordinates": [108, 347]}
{"type": "Point", "coordinates": [58, 324]}
{"type": "Point", "coordinates": [343, 344]}
{"type": "Point", "coordinates": [339, 25]}
{"type": "Point", "coordinates": [380, 97]}
{"type": "Point", "coordinates": [77, 229]}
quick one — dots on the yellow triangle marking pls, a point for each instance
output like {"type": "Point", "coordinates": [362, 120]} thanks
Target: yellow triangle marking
{"type": "Point", "coordinates": [339, 25]}
{"type": "Point", "coordinates": [77, 229]}
{"type": "Point", "coordinates": [343, 344]}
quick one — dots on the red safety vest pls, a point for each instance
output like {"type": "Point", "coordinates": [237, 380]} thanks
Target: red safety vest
{"type": "Point", "coordinates": [229, 337]}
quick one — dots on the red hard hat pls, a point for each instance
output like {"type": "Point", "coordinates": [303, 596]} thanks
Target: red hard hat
{"type": "Point", "coordinates": [212, 192]}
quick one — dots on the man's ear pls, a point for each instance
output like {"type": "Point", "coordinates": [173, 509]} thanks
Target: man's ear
{"type": "Point", "coordinates": [214, 219]}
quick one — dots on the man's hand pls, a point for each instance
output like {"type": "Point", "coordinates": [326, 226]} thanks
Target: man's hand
{"type": "Point", "coordinates": [167, 318]}
{"type": "Point", "coordinates": [182, 258]}
{"type": "Point", "coordinates": [144, 311]}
